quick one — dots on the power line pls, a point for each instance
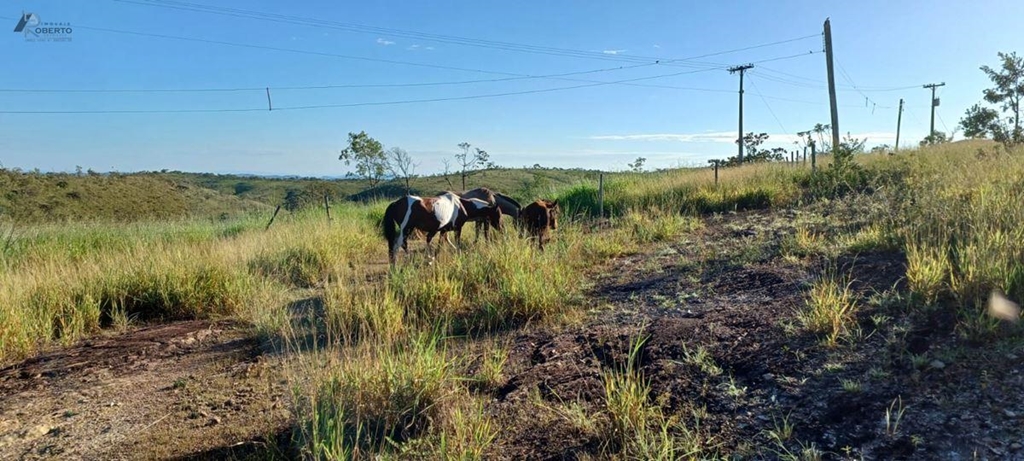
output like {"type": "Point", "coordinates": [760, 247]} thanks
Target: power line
{"type": "Point", "coordinates": [384, 85]}
{"type": "Point", "coordinates": [512, 76]}
{"type": "Point", "coordinates": [316, 87]}
{"type": "Point", "coordinates": [846, 75]}
{"type": "Point", "coordinates": [758, 91]}
{"type": "Point", "coordinates": [860, 88]}
{"type": "Point", "coordinates": [359, 104]}
{"type": "Point", "coordinates": [508, 46]}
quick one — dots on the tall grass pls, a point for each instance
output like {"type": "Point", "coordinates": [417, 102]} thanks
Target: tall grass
{"type": "Point", "coordinates": [753, 186]}
{"type": "Point", "coordinates": [61, 283]}
{"type": "Point", "coordinates": [960, 218]}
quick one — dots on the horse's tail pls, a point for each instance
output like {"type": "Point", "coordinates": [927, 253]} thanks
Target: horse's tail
{"type": "Point", "coordinates": [390, 224]}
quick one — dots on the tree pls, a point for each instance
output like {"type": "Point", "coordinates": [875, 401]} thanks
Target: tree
{"type": "Point", "coordinates": [447, 172]}
{"type": "Point", "coordinates": [820, 130]}
{"type": "Point", "coordinates": [935, 138]}
{"type": "Point", "coordinates": [368, 155]}
{"type": "Point", "coordinates": [401, 166]}
{"type": "Point", "coordinates": [982, 122]}
{"type": "Point", "coordinates": [848, 147]}
{"type": "Point", "coordinates": [468, 163]}
{"type": "Point", "coordinates": [751, 144]}
{"type": "Point", "coordinates": [638, 165]}
{"type": "Point", "coordinates": [880, 149]}
{"type": "Point", "coordinates": [1009, 90]}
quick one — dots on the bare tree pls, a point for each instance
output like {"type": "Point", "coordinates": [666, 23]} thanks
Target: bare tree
{"type": "Point", "coordinates": [401, 166]}
{"type": "Point", "coordinates": [469, 163]}
{"type": "Point", "coordinates": [447, 172]}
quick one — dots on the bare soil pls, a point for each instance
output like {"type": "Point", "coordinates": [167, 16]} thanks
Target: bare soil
{"type": "Point", "coordinates": [184, 390]}
{"type": "Point", "coordinates": [728, 290]}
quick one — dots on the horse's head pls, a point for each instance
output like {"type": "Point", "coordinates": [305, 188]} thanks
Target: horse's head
{"type": "Point", "coordinates": [553, 212]}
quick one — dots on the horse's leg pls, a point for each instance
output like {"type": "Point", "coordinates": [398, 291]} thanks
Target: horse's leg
{"type": "Point", "coordinates": [449, 240]}
{"type": "Point", "coordinates": [430, 254]}
{"type": "Point", "coordinates": [395, 244]}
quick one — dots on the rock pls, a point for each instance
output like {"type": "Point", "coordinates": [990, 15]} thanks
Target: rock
{"type": "Point", "coordinates": [937, 364]}
{"type": "Point", "coordinates": [1016, 446]}
{"type": "Point", "coordinates": [214, 420]}
{"type": "Point", "coordinates": [37, 431]}
{"type": "Point", "coordinates": [1009, 414]}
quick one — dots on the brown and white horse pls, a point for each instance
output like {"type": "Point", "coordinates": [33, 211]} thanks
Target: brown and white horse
{"type": "Point", "coordinates": [539, 219]}
{"type": "Point", "coordinates": [432, 215]}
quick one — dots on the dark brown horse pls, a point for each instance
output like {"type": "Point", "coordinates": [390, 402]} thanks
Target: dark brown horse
{"type": "Point", "coordinates": [507, 205]}
{"type": "Point", "coordinates": [539, 219]}
{"type": "Point", "coordinates": [482, 213]}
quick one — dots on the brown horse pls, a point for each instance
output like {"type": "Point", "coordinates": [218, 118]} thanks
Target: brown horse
{"type": "Point", "coordinates": [539, 219]}
{"type": "Point", "coordinates": [507, 205]}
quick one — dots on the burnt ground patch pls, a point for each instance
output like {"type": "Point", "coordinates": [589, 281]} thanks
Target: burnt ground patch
{"type": "Point", "coordinates": [762, 373]}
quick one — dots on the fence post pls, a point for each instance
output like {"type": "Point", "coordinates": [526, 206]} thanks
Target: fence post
{"type": "Point", "coordinates": [814, 156]}
{"type": "Point", "coordinates": [716, 173]}
{"type": "Point", "coordinates": [600, 195]}
{"type": "Point", "coordinates": [272, 217]}
{"type": "Point", "coordinates": [327, 206]}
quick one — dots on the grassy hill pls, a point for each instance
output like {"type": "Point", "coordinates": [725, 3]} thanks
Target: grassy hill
{"type": "Point", "coordinates": [520, 183]}
{"type": "Point", "coordinates": [41, 197]}
{"type": "Point", "coordinates": [37, 197]}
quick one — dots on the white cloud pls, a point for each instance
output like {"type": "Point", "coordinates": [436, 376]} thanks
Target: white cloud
{"type": "Point", "coordinates": [413, 47]}
{"type": "Point", "coordinates": [730, 137]}
{"type": "Point", "coordinates": [428, 48]}
{"type": "Point", "coordinates": [613, 52]}
{"type": "Point", "coordinates": [381, 41]}
{"type": "Point", "coordinates": [657, 45]}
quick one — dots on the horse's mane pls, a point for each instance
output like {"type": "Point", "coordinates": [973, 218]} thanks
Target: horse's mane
{"type": "Point", "coordinates": [508, 199]}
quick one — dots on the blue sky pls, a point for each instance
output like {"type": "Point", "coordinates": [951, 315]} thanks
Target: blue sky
{"type": "Point", "coordinates": [879, 44]}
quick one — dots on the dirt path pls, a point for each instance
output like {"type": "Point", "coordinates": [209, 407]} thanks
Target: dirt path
{"type": "Point", "coordinates": [185, 390]}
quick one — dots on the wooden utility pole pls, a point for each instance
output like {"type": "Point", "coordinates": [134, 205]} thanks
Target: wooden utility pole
{"type": "Point", "coordinates": [899, 121]}
{"type": "Point", "coordinates": [831, 86]}
{"type": "Point", "coordinates": [935, 102]}
{"type": "Point", "coordinates": [739, 140]}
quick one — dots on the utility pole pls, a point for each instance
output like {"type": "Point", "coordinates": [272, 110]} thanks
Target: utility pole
{"type": "Point", "coordinates": [899, 121]}
{"type": "Point", "coordinates": [935, 102]}
{"type": "Point", "coordinates": [831, 86]}
{"type": "Point", "coordinates": [739, 140]}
